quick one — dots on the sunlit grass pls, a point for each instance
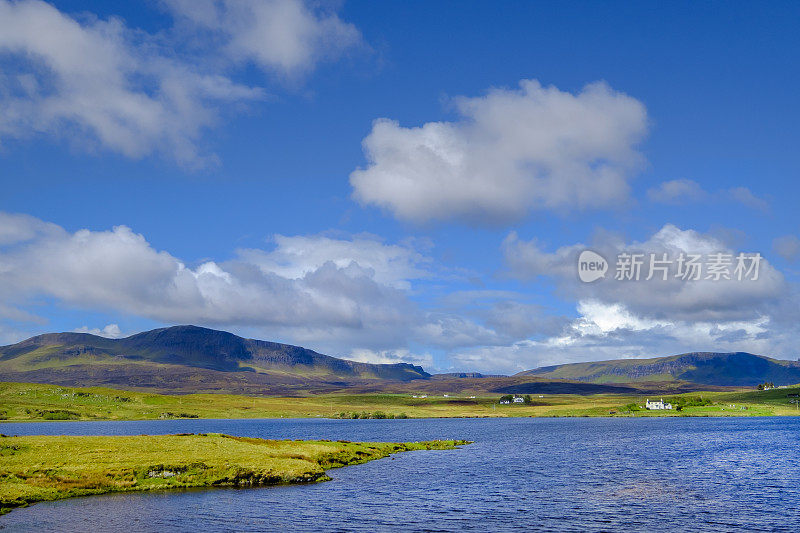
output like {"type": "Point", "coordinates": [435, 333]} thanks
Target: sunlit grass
{"type": "Point", "coordinates": [38, 468]}
{"type": "Point", "coordinates": [35, 402]}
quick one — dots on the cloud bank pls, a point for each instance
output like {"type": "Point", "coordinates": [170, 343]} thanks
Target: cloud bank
{"type": "Point", "coordinates": [342, 295]}
{"type": "Point", "coordinates": [357, 296]}
{"type": "Point", "coordinates": [645, 318]}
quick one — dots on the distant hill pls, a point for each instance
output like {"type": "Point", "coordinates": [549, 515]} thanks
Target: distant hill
{"type": "Point", "coordinates": [180, 353]}
{"type": "Point", "coordinates": [465, 375]}
{"type": "Point", "coordinates": [707, 368]}
{"type": "Point", "coordinates": [185, 359]}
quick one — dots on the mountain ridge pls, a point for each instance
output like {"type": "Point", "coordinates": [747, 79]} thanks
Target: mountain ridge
{"type": "Point", "coordinates": [711, 368]}
{"type": "Point", "coordinates": [197, 347]}
{"type": "Point", "coordinates": [196, 359]}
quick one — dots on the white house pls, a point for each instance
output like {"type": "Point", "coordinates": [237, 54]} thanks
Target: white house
{"type": "Point", "coordinates": [659, 405]}
{"type": "Point", "coordinates": [505, 402]}
{"type": "Point", "coordinates": [519, 399]}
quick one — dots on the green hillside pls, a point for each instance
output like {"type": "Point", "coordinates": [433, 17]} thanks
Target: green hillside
{"type": "Point", "coordinates": [179, 356]}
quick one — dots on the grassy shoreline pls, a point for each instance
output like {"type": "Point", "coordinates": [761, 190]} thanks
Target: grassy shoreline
{"type": "Point", "coordinates": [29, 402]}
{"type": "Point", "coordinates": [43, 468]}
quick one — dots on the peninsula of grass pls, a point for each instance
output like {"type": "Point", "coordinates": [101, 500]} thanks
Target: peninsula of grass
{"type": "Point", "coordinates": [42, 468]}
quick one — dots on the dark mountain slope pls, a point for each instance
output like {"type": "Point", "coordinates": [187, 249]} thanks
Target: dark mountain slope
{"type": "Point", "coordinates": [709, 368]}
{"type": "Point", "coordinates": [187, 346]}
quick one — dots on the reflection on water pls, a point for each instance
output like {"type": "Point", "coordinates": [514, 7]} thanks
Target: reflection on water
{"type": "Point", "coordinates": [521, 474]}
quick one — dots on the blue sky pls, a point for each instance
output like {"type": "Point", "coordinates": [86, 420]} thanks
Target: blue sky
{"type": "Point", "coordinates": [235, 149]}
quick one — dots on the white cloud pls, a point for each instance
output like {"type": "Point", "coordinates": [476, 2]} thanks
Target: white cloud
{"type": "Point", "coordinates": [340, 296]}
{"type": "Point", "coordinates": [111, 331]}
{"type": "Point", "coordinates": [296, 256]}
{"type": "Point", "coordinates": [604, 331]}
{"type": "Point", "coordinates": [100, 84]}
{"type": "Point", "coordinates": [392, 356]}
{"type": "Point", "coordinates": [119, 270]}
{"type": "Point", "coordinates": [103, 82]}
{"type": "Point", "coordinates": [355, 297]}
{"type": "Point", "coordinates": [512, 151]}
{"type": "Point", "coordinates": [16, 228]}
{"type": "Point", "coordinates": [287, 36]}
{"type": "Point", "coordinates": [618, 319]}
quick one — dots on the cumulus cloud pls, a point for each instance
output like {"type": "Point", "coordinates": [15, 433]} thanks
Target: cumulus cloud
{"type": "Point", "coordinates": [313, 300]}
{"type": "Point", "coordinates": [605, 331]}
{"type": "Point", "coordinates": [111, 331]}
{"type": "Point", "coordinates": [354, 296]}
{"type": "Point", "coordinates": [100, 84]}
{"type": "Point", "coordinates": [645, 318]}
{"type": "Point", "coordinates": [16, 228]}
{"type": "Point", "coordinates": [97, 80]}
{"type": "Point", "coordinates": [511, 151]}
{"type": "Point", "coordinates": [392, 356]}
{"type": "Point", "coordinates": [296, 256]}
{"type": "Point", "coordinates": [286, 36]}
{"type": "Point", "coordinates": [348, 296]}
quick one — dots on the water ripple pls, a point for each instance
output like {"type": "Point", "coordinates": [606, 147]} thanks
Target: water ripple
{"type": "Point", "coordinates": [521, 474]}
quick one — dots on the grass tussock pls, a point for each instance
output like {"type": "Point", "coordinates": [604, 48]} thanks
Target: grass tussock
{"type": "Point", "coordinates": [41, 468]}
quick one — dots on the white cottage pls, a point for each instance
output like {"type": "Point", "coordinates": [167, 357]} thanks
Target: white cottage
{"type": "Point", "coordinates": [659, 405]}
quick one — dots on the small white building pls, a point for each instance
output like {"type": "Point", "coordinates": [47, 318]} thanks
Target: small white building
{"type": "Point", "coordinates": [659, 405]}
{"type": "Point", "coordinates": [504, 402]}
{"type": "Point", "coordinates": [519, 399]}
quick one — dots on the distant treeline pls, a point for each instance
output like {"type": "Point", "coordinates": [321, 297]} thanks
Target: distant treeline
{"type": "Point", "coordinates": [364, 414]}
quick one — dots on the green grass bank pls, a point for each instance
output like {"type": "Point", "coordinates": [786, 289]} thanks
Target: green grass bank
{"type": "Point", "coordinates": [41, 468]}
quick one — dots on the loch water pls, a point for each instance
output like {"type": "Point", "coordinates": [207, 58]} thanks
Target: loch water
{"type": "Point", "coordinates": [521, 474]}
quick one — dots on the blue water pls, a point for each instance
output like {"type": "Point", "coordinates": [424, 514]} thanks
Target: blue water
{"type": "Point", "coordinates": [664, 474]}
